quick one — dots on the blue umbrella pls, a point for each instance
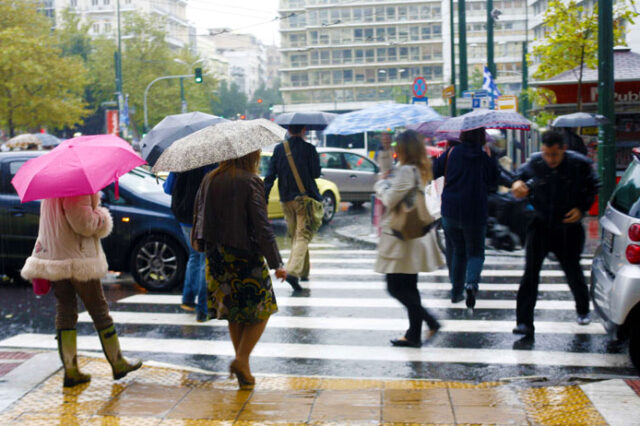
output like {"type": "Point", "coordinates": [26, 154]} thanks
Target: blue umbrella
{"type": "Point", "coordinates": [48, 140]}
{"type": "Point", "coordinates": [580, 119]}
{"type": "Point", "coordinates": [172, 128]}
{"type": "Point", "coordinates": [312, 120]}
{"type": "Point", "coordinates": [381, 117]}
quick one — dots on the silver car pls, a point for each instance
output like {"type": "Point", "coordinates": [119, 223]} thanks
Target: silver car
{"type": "Point", "coordinates": [354, 174]}
{"type": "Point", "coordinates": [615, 272]}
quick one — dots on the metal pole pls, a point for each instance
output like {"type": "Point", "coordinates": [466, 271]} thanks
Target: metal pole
{"type": "Point", "coordinates": [606, 105]}
{"type": "Point", "coordinates": [453, 59]}
{"type": "Point", "coordinates": [183, 101]}
{"type": "Point", "coordinates": [119, 69]}
{"type": "Point", "coordinates": [491, 64]}
{"type": "Point", "coordinates": [462, 45]}
{"type": "Point", "coordinates": [525, 81]}
{"type": "Point", "coordinates": [146, 92]}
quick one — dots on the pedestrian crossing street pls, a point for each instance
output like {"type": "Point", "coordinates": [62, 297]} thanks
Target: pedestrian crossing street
{"type": "Point", "coordinates": [342, 327]}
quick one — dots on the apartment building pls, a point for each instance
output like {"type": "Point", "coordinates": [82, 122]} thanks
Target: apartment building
{"type": "Point", "coordinates": [102, 15]}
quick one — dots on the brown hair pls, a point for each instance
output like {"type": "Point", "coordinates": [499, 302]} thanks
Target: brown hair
{"type": "Point", "coordinates": [249, 163]}
{"type": "Point", "coordinates": [411, 150]}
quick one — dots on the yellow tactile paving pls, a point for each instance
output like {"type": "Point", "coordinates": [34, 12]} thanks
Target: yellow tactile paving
{"type": "Point", "coordinates": [166, 396]}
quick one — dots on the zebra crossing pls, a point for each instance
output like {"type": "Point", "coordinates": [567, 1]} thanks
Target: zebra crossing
{"type": "Point", "coordinates": [342, 327]}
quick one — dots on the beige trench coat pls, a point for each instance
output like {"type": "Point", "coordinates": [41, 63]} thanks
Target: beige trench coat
{"type": "Point", "coordinates": [394, 255]}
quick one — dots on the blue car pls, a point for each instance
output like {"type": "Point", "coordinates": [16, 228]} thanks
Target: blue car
{"type": "Point", "coordinates": [146, 240]}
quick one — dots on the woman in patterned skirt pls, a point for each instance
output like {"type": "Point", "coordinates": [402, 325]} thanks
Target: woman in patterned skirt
{"type": "Point", "coordinates": [231, 226]}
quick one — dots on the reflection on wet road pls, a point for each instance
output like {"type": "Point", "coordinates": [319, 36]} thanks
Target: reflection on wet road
{"type": "Point", "coordinates": [343, 325]}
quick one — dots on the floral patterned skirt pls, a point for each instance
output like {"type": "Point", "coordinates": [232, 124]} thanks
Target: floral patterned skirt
{"type": "Point", "coordinates": [239, 286]}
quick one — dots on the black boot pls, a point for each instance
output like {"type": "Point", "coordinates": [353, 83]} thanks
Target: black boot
{"type": "Point", "coordinates": [293, 281]}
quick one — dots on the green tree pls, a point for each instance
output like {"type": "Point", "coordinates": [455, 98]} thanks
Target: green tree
{"type": "Point", "coordinates": [230, 101]}
{"type": "Point", "coordinates": [571, 42]}
{"type": "Point", "coordinates": [262, 99]}
{"type": "Point", "coordinates": [476, 79]}
{"type": "Point", "coordinates": [38, 87]}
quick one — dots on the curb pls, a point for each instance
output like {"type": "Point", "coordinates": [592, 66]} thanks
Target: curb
{"type": "Point", "coordinates": [343, 235]}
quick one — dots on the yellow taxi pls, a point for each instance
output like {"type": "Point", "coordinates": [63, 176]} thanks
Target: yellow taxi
{"type": "Point", "coordinates": [328, 190]}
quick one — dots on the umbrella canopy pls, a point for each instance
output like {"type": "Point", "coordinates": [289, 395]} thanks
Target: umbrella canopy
{"type": "Point", "coordinates": [224, 141]}
{"type": "Point", "coordinates": [487, 118]}
{"type": "Point", "coordinates": [172, 128]}
{"type": "Point", "coordinates": [48, 140]}
{"type": "Point", "coordinates": [313, 120]}
{"type": "Point", "coordinates": [381, 117]}
{"type": "Point", "coordinates": [580, 119]}
{"type": "Point", "coordinates": [77, 166]}
{"type": "Point", "coordinates": [428, 129]}
{"type": "Point", "coordinates": [23, 141]}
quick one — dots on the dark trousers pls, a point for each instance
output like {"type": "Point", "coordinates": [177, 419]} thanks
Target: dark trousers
{"type": "Point", "coordinates": [404, 287]}
{"type": "Point", "coordinates": [464, 253]}
{"type": "Point", "coordinates": [566, 241]}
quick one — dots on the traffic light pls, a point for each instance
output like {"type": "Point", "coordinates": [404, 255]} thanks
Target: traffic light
{"type": "Point", "coordinates": [198, 75]}
{"type": "Point", "coordinates": [259, 100]}
{"type": "Point", "coordinates": [242, 117]}
{"type": "Point", "coordinates": [271, 107]}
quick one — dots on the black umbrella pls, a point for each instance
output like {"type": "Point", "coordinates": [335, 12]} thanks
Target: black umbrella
{"type": "Point", "coordinates": [580, 119]}
{"type": "Point", "coordinates": [172, 128]}
{"type": "Point", "coordinates": [314, 120]}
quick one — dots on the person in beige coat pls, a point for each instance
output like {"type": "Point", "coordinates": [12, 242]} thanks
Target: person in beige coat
{"type": "Point", "coordinates": [68, 253]}
{"type": "Point", "coordinates": [400, 260]}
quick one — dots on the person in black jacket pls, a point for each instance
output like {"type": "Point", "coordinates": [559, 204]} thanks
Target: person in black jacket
{"type": "Point", "coordinates": [469, 172]}
{"type": "Point", "coordinates": [307, 163]}
{"type": "Point", "coordinates": [561, 186]}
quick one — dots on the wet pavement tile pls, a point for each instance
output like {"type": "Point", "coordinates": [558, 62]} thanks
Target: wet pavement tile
{"type": "Point", "coordinates": [491, 397]}
{"type": "Point", "coordinates": [416, 397]}
{"type": "Point", "coordinates": [144, 400]}
{"type": "Point", "coordinates": [490, 415]}
{"type": "Point", "coordinates": [421, 414]}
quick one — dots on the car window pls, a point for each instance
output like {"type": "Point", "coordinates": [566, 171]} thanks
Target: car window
{"type": "Point", "coordinates": [330, 160]}
{"type": "Point", "coordinates": [359, 163]}
{"type": "Point", "coordinates": [13, 167]}
{"type": "Point", "coordinates": [140, 181]}
{"type": "Point", "coordinates": [264, 164]}
{"type": "Point", "coordinates": [626, 197]}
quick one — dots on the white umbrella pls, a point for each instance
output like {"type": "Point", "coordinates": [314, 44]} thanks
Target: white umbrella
{"type": "Point", "coordinates": [23, 141]}
{"type": "Point", "coordinates": [219, 142]}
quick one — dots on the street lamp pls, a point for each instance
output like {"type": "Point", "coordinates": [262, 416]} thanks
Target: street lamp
{"type": "Point", "coordinates": [183, 101]}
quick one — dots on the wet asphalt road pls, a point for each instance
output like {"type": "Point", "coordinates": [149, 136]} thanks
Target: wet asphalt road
{"type": "Point", "coordinates": [348, 349]}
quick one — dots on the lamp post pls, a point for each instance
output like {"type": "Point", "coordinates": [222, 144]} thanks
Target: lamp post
{"type": "Point", "coordinates": [453, 59]}
{"type": "Point", "coordinates": [491, 64]}
{"type": "Point", "coordinates": [462, 45]}
{"type": "Point", "coordinates": [183, 100]}
{"type": "Point", "coordinates": [606, 106]}
{"type": "Point", "coordinates": [146, 92]}
{"type": "Point", "coordinates": [118, 66]}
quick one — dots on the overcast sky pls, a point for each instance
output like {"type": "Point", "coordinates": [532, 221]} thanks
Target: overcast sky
{"type": "Point", "coordinates": [245, 16]}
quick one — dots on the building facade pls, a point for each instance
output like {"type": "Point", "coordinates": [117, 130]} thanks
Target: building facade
{"type": "Point", "coordinates": [103, 16]}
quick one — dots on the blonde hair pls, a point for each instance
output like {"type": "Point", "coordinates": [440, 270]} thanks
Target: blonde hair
{"type": "Point", "coordinates": [249, 163]}
{"type": "Point", "coordinates": [411, 150]}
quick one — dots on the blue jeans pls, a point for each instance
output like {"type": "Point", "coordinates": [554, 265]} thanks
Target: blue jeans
{"type": "Point", "coordinates": [465, 253]}
{"type": "Point", "coordinates": [195, 283]}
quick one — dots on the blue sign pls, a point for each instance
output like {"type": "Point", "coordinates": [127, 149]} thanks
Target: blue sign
{"type": "Point", "coordinates": [480, 94]}
{"type": "Point", "coordinates": [467, 94]}
{"type": "Point", "coordinates": [425, 100]}
{"type": "Point", "coordinates": [475, 103]}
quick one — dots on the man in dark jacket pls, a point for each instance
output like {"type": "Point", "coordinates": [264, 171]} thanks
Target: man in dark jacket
{"type": "Point", "coordinates": [183, 188]}
{"type": "Point", "coordinates": [561, 186]}
{"type": "Point", "coordinates": [307, 163]}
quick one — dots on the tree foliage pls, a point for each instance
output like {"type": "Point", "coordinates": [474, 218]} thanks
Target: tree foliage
{"type": "Point", "coordinates": [230, 101]}
{"type": "Point", "coordinates": [269, 97]}
{"type": "Point", "coordinates": [38, 87]}
{"type": "Point", "coordinates": [571, 39]}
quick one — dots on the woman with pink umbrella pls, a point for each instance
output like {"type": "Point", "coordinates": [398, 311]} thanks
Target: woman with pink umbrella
{"type": "Point", "coordinates": [68, 252]}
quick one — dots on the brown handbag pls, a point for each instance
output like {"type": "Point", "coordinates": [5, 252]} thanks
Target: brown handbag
{"type": "Point", "coordinates": [411, 219]}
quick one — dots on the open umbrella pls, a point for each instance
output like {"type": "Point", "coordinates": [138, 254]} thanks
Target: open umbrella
{"type": "Point", "coordinates": [580, 119]}
{"type": "Point", "coordinates": [48, 140]}
{"type": "Point", "coordinates": [428, 129]}
{"type": "Point", "coordinates": [487, 118]}
{"type": "Point", "coordinates": [381, 117]}
{"type": "Point", "coordinates": [23, 141]}
{"type": "Point", "coordinates": [312, 120]}
{"type": "Point", "coordinates": [172, 128]}
{"type": "Point", "coordinates": [224, 141]}
{"type": "Point", "coordinates": [78, 166]}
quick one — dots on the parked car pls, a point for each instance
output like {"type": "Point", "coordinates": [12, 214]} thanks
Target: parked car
{"type": "Point", "coordinates": [146, 240]}
{"type": "Point", "coordinates": [615, 271]}
{"type": "Point", "coordinates": [354, 174]}
{"type": "Point", "coordinates": [328, 190]}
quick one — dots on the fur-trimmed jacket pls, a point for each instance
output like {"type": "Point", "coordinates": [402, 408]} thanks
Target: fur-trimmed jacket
{"type": "Point", "coordinates": [68, 244]}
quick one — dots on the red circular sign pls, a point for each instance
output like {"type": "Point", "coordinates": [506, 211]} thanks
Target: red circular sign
{"type": "Point", "coordinates": [420, 87]}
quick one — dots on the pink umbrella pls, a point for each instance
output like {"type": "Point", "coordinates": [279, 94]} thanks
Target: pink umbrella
{"type": "Point", "coordinates": [78, 166]}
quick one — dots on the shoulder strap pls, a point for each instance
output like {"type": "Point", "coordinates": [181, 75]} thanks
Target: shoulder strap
{"type": "Point", "coordinates": [293, 167]}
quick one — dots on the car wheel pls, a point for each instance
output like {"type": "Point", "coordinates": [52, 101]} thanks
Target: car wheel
{"type": "Point", "coordinates": [158, 263]}
{"type": "Point", "coordinates": [634, 346]}
{"type": "Point", "coordinates": [329, 204]}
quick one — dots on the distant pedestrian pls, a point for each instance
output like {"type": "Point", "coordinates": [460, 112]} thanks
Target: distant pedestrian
{"type": "Point", "coordinates": [68, 253]}
{"type": "Point", "coordinates": [384, 155]}
{"type": "Point", "coordinates": [300, 232]}
{"type": "Point", "coordinates": [469, 172]}
{"type": "Point", "coordinates": [561, 186]}
{"type": "Point", "coordinates": [232, 228]}
{"type": "Point", "coordinates": [574, 142]}
{"type": "Point", "coordinates": [183, 188]}
{"type": "Point", "coordinates": [400, 260]}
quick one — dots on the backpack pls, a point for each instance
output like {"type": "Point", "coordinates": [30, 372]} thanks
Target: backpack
{"type": "Point", "coordinates": [184, 193]}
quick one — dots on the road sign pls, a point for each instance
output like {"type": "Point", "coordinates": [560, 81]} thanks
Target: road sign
{"type": "Point", "coordinates": [416, 100]}
{"type": "Point", "coordinates": [508, 102]}
{"type": "Point", "coordinates": [419, 87]}
{"type": "Point", "coordinates": [480, 94]}
{"type": "Point", "coordinates": [475, 103]}
{"type": "Point", "coordinates": [112, 122]}
{"type": "Point", "coordinates": [467, 94]}
{"type": "Point", "coordinates": [449, 92]}
{"type": "Point", "coordinates": [463, 103]}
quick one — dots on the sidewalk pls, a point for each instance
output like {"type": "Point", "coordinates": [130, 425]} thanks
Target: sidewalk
{"type": "Point", "coordinates": [165, 395]}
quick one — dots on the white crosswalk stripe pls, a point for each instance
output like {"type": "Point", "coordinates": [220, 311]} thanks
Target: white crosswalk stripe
{"type": "Point", "coordinates": [347, 296]}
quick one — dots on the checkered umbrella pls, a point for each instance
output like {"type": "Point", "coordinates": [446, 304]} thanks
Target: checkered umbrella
{"type": "Point", "coordinates": [487, 118]}
{"type": "Point", "coordinates": [381, 117]}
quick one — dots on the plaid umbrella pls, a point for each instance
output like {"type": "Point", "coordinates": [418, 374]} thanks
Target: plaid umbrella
{"type": "Point", "coordinates": [428, 129]}
{"type": "Point", "coordinates": [313, 120]}
{"type": "Point", "coordinates": [381, 117]}
{"type": "Point", "coordinates": [580, 119]}
{"type": "Point", "coordinates": [487, 118]}
{"type": "Point", "coordinates": [172, 128]}
{"type": "Point", "coordinates": [224, 141]}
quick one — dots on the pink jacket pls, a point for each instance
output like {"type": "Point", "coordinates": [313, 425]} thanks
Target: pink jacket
{"type": "Point", "coordinates": [68, 244]}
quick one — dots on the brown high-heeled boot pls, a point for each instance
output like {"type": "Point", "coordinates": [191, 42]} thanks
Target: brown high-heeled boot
{"type": "Point", "coordinates": [245, 380]}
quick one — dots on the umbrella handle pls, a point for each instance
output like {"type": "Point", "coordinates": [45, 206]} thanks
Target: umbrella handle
{"type": "Point", "coordinates": [117, 190]}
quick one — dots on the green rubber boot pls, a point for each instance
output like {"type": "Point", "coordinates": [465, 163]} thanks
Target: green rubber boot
{"type": "Point", "coordinates": [111, 348]}
{"type": "Point", "coordinates": [67, 348]}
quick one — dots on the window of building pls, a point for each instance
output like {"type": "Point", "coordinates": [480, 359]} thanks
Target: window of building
{"type": "Point", "coordinates": [323, 17]}
{"type": "Point", "coordinates": [359, 56]}
{"type": "Point", "coordinates": [357, 15]}
{"type": "Point", "coordinates": [337, 77]}
{"type": "Point", "coordinates": [73, 3]}
{"type": "Point", "coordinates": [402, 13]}
{"type": "Point", "coordinates": [368, 35]}
{"type": "Point", "coordinates": [370, 55]}
{"type": "Point", "coordinates": [414, 33]}
{"type": "Point", "coordinates": [380, 34]}
{"type": "Point", "coordinates": [315, 57]}
{"type": "Point", "coordinates": [358, 35]}
{"type": "Point", "coordinates": [391, 34]}
{"type": "Point", "coordinates": [403, 34]}
{"type": "Point", "coordinates": [382, 75]}
{"type": "Point", "coordinates": [359, 76]}
{"type": "Point", "coordinates": [414, 53]}
{"type": "Point", "coordinates": [107, 27]}
{"type": "Point", "coordinates": [325, 78]}
{"type": "Point", "coordinates": [426, 32]}
{"type": "Point", "coordinates": [347, 76]}
{"type": "Point", "coordinates": [392, 74]}
{"type": "Point", "coordinates": [94, 2]}
{"type": "Point", "coordinates": [345, 15]}
{"type": "Point", "coordinates": [436, 30]}
{"type": "Point", "coordinates": [336, 57]}
{"type": "Point", "coordinates": [425, 12]}
{"type": "Point", "coordinates": [324, 37]}
{"type": "Point", "coordinates": [414, 12]}
{"type": "Point", "coordinates": [335, 16]}
{"type": "Point", "coordinates": [379, 14]}
{"type": "Point", "coordinates": [313, 37]}
{"type": "Point", "coordinates": [381, 54]}
{"type": "Point", "coordinates": [403, 53]}
{"type": "Point", "coordinates": [324, 57]}
{"type": "Point", "coordinates": [370, 76]}
{"type": "Point", "coordinates": [95, 28]}
{"type": "Point", "coordinates": [403, 73]}
{"type": "Point", "coordinates": [312, 17]}
{"type": "Point", "coordinates": [392, 54]}
{"type": "Point", "coordinates": [368, 14]}
{"type": "Point", "coordinates": [391, 13]}
{"type": "Point", "coordinates": [106, 2]}
{"type": "Point", "coordinates": [346, 35]}
{"type": "Point", "coordinates": [436, 12]}
{"type": "Point", "coordinates": [347, 57]}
